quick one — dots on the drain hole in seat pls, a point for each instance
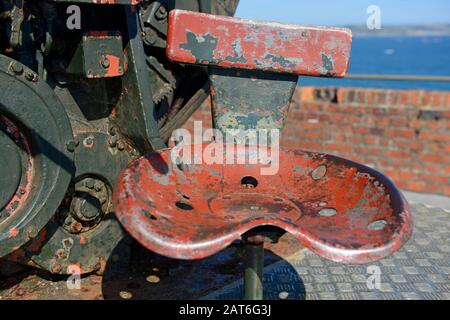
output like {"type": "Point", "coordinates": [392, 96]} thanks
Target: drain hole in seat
{"type": "Point", "coordinates": [184, 206]}
{"type": "Point", "coordinates": [249, 182]}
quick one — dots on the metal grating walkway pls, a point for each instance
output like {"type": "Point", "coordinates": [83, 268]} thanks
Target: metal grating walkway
{"type": "Point", "coordinates": [420, 270]}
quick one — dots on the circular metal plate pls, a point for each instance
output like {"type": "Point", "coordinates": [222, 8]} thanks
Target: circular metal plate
{"type": "Point", "coordinates": [42, 128]}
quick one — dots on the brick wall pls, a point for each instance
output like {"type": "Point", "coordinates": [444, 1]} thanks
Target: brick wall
{"type": "Point", "coordinates": [403, 133]}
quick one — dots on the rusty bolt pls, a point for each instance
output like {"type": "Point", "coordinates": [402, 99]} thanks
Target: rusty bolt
{"type": "Point", "coordinates": [17, 68]}
{"type": "Point", "coordinates": [20, 292]}
{"type": "Point", "coordinates": [161, 13]}
{"type": "Point", "coordinates": [56, 268]}
{"type": "Point", "coordinates": [31, 76]}
{"type": "Point", "coordinates": [120, 145]}
{"type": "Point", "coordinates": [112, 142]}
{"type": "Point", "coordinates": [76, 227]}
{"type": "Point", "coordinates": [105, 62]}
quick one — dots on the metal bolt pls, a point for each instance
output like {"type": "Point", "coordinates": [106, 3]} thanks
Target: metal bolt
{"type": "Point", "coordinates": [17, 68]}
{"type": "Point", "coordinates": [56, 268]}
{"type": "Point", "coordinates": [112, 142]}
{"type": "Point", "coordinates": [89, 183]}
{"type": "Point", "coordinates": [120, 145]}
{"type": "Point", "coordinates": [71, 145]}
{"type": "Point", "coordinates": [161, 13]}
{"type": "Point", "coordinates": [31, 76]}
{"type": "Point", "coordinates": [113, 131]}
{"type": "Point", "coordinates": [76, 227]}
{"type": "Point", "coordinates": [31, 232]}
{"type": "Point", "coordinates": [88, 209]}
{"type": "Point", "coordinates": [20, 292]}
{"type": "Point", "coordinates": [105, 63]}
{"type": "Point", "coordinates": [150, 36]}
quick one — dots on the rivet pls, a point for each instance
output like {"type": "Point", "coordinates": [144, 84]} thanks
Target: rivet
{"type": "Point", "coordinates": [16, 67]}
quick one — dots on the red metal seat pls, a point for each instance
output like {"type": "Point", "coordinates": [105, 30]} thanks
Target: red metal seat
{"type": "Point", "coordinates": [339, 209]}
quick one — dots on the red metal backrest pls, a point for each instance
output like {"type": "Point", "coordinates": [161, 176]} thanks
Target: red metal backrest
{"type": "Point", "coordinates": [199, 38]}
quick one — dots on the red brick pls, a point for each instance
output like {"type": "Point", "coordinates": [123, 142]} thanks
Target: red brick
{"type": "Point", "coordinates": [433, 157]}
{"type": "Point", "coordinates": [341, 94]}
{"type": "Point", "coordinates": [447, 101]}
{"type": "Point", "coordinates": [402, 133]}
{"type": "Point", "coordinates": [381, 98]}
{"type": "Point", "coordinates": [338, 147]}
{"type": "Point", "coordinates": [415, 98]}
{"type": "Point", "coordinates": [437, 98]}
{"type": "Point", "coordinates": [404, 98]}
{"type": "Point", "coordinates": [436, 136]}
{"type": "Point", "coordinates": [426, 98]}
{"type": "Point", "coordinates": [392, 98]}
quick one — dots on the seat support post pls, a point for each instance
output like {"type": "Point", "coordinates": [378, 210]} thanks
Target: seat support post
{"type": "Point", "coordinates": [253, 270]}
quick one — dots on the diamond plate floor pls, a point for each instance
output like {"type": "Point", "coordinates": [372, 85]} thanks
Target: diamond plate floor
{"type": "Point", "coordinates": [420, 270]}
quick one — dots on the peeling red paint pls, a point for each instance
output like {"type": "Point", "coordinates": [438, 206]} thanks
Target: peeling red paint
{"type": "Point", "coordinates": [13, 232]}
{"type": "Point", "coordinates": [247, 44]}
{"type": "Point", "coordinates": [114, 69]}
{"type": "Point", "coordinates": [196, 212]}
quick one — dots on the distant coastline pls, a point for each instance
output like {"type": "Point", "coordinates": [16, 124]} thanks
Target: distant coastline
{"type": "Point", "coordinates": [407, 30]}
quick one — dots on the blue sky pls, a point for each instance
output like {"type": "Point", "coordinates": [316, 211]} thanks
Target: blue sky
{"type": "Point", "coordinates": [346, 12]}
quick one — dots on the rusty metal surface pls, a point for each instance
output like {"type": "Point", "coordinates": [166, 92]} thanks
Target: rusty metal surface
{"type": "Point", "coordinates": [237, 43]}
{"type": "Point", "coordinates": [340, 210]}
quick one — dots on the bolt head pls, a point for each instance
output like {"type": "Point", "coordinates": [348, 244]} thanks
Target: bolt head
{"type": "Point", "coordinates": [105, 63]}
{"type": "Point", "coordinates": [161, 13]}
{"type": "Point", "coordinates": [71, 145]}
{"type": "Point", "coordinates": [89, 183]}
{"type": "Point", "coordinates": [17, 68]}
{"type": "Point", "coordinates": [31, 76]}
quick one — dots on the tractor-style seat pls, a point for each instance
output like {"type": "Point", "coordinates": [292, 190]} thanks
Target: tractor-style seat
{"type": "Point", "coordinates": [339, 209]}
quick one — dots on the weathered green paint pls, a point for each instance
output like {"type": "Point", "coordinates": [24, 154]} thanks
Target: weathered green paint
{"type": "Point", "coordinates": [250, 99]}
{"type": "Point", "coordinates": [201, 46]}
{"type": "Point", "coordinates": [135, 111]}
{"type": "Point", "coordinates": [327, 63]}
{"type": "Point", "coordinates": [92, 58]}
